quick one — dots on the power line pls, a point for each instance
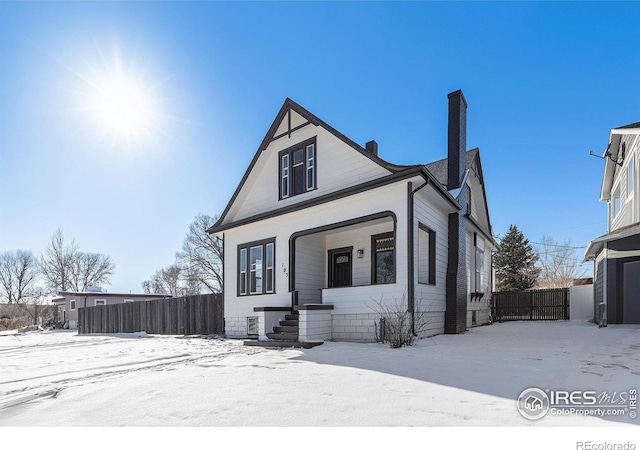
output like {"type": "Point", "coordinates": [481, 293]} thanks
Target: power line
{"type": "Point", "coordinates": [557, 245]}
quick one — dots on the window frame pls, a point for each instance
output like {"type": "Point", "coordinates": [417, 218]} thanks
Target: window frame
{"type": "Point", "coordinates": [630, 179]}
{"type": "Point", "coordinates": [72, 305]}
{"type": "Point", "coordinates": [374, 257]}
{"type": "Point", "coordinates": [479, 270]}
{"type": "Point", "coordinates": [244, 255]}
{"type": "Point", "coordinates": [616, 202]}
{"type": "Point", "coordinates": [286, 177]}
{"type": "Point", "coordinates": [103, 300]}
{"type": "Point", "coordinates": [431, 256]}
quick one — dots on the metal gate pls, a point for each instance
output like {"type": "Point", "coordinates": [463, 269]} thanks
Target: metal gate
{"type": "Point", "coordinates": [537, 304]}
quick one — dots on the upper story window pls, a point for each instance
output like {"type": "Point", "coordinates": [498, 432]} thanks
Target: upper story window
{"type": "Point", "coordinates": [298, 169]}
{"type": "Point", "coordinates": [72, 305]}
{"type": "Point", "coordinates": [630, 178]}
{"type": "Point", "coordinates": [615, 202]}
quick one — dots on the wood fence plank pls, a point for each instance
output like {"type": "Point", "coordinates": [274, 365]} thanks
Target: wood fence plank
{"type": "Point", "coordinates": [201, 314]}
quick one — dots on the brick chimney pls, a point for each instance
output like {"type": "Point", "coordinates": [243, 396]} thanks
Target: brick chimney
{"type": "Point", "coordinates": [372, 147]}
{"type": "Point", "coordinates": [455, 316]}
{"type": "Point", "coordinates": [457, 140]}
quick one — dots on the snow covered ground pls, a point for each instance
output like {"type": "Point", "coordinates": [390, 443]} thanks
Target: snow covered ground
{"type": "Point", "coordinates": [60, 378]}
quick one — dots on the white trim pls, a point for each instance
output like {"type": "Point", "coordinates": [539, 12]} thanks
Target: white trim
{"type": "Point", "coordinates": [72, 305]}
{"type": "Point", "coordinates": [310, 165]}
{"type": "Point", "coordinates": [253, 270]}
{"type": "Point", "coordinates": [625, 131]}
{"type": "Point", "coordinates": [103, 300]}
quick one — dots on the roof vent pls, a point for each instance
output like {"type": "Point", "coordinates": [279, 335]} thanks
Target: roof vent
{"type": "Point", "coordinates": [372, 147]}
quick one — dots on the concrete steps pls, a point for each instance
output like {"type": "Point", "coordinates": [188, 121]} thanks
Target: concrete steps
{"type": "Point", "coordinates": [285, 336]}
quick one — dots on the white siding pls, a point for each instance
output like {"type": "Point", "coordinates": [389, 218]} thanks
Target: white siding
{"type": "Point", "coordinates": [432, 298]}
{"type": "Point", "coordinates": [628, 213]}
{"type": "Point", "coordinates": [478, 206]}
{"type": "Point", "coordinates": [387, 198]}
{"type": "Point", "coordinates": [338, 166]}
{"type": "Point", "coordinates": [312, 268]}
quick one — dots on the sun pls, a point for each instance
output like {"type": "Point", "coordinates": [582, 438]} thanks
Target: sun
{"type": "Point", "coordinates": [123, 107]}
{"type": "Point", "coordinates": [121, 101]}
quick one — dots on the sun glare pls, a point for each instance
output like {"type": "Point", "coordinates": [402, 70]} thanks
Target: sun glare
{"type": "Point", "coordinates": [121, 101]}
{"type": "Point", "coordinates": [123, 107]}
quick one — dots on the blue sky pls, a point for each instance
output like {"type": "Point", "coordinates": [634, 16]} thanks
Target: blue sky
{"type": "Point", "coordinates": [545, 81]}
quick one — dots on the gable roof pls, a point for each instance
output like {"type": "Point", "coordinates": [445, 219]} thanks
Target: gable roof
{"type": "Point", "coordinates": [439, 168]}
{"type": "Point", "coordinates": [275, 131]}
{"type": "Point", "coordinates": [613, 145]}
{"type": "Point", "coordinates": [631, 125]}
{"type": "Point", "coordinates": [436, 171]}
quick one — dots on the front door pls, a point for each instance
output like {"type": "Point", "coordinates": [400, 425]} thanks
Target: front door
{"type": "Point", "coordinates": [340, 267]}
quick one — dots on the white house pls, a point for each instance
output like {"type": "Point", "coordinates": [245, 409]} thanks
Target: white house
{"type": "Point", "coordinates": [321, 231]}
{"type": "Point", "coordinates": [616, 254]}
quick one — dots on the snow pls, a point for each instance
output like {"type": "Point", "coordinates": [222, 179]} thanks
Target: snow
{"type": "Point", "coordinates": [60, 378]}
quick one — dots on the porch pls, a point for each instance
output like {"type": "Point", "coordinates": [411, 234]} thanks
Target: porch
{"type": "Point", "coordinates": [338, 274]}
{"type": "Point", "coordinates": [328, 264]}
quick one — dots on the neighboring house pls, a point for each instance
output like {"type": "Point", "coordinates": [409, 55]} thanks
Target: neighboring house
{"type": "Point", "coordinates": [616, 254]}
{"type": "Point", "coordinates": [69, 302]}
{"type": "Point", "coordinates": [324, 229]}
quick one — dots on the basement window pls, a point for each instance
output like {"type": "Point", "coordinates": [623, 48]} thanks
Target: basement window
{"type": "Point", "coordinates": [252, 326]}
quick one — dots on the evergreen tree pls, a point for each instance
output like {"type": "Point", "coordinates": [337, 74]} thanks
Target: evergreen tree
{"type": "Point", "coordinates": [515, 262]}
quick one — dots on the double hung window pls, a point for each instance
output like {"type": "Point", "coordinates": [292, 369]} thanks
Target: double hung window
{"type": "Point", "coordinates": [426, 255]}
{"type": "Point", "coordinates": [256, 262]}
{"type": "Point", "coordinates": [383, 259]}
{"type": "Point", "coordinates": [298, 169]}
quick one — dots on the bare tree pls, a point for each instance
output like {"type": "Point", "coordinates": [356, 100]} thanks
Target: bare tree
{"type": "Point", "coordinates": [18, 275]}
{"type": "Point", "coordinates": [89, 269]}
{"type": "Point", "coordinates": [202, 254]}
{"type": "Point", "coordinates": [57, 260]}
{"type": "Point", "coordinates": [165, 281]}
{"type": "Point", "coordinates": [64, 267]}
{"type": "Point", "coordinates": [559, 264]}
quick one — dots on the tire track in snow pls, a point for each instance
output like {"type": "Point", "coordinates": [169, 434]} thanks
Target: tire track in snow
{"type": "Point", "coordinates": [51, 385]}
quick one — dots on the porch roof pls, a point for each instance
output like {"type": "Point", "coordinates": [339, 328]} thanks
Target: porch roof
{"type": "Point", "coordinates": [597, 245]}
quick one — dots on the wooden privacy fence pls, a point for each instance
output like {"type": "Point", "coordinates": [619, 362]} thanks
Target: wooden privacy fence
{"type": "Point", "coordinates": [199, 314]}
{"type": "Point", "coordinates": [539, 304]}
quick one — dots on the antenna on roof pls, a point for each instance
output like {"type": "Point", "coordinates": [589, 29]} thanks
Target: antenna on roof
{"type": "Point", "coordinates": [607, 154]}
{"type": "Point", "coordinates": [593, 154]}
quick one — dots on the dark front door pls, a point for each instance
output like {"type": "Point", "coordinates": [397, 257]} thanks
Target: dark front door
{"type": "Point", "coordinates": [340, 267]}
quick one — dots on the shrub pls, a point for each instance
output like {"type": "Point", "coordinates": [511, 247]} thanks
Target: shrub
{"type": "Point", "coordinates": [398, 326]}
